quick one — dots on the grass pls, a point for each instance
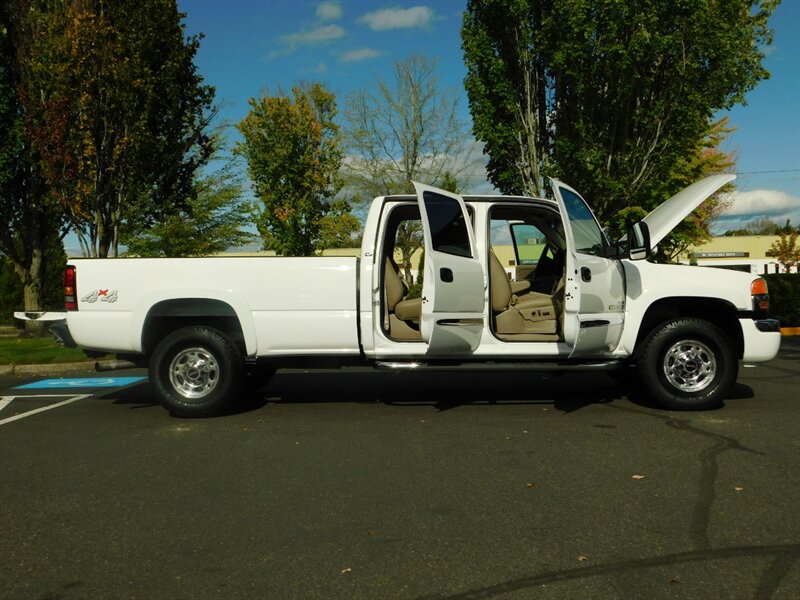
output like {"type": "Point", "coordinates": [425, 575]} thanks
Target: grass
{"type": "Point", "coordinates": [34, 351]}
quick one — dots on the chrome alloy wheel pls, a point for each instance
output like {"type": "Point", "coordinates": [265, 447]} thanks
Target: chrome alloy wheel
{"type": "Point", "coordinates": [194, 373]}
{"type": "Point", "coordinates": [690, 365]}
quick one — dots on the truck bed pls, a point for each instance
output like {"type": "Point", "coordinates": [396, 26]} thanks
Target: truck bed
{"type": "Point", "coordinates": [286, 306]}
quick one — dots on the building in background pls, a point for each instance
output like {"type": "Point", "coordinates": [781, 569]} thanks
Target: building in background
{"type": "Point", "coordinates": [748, 253]}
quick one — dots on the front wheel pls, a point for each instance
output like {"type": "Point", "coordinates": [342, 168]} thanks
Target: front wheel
{"type": "Point", "coordinates": [688, 364]}
{"type": "Point", "coordinates": [196, 371]}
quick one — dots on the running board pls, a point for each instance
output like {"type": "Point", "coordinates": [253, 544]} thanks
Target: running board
{"type": "Point", "coordinates": [605, 365]}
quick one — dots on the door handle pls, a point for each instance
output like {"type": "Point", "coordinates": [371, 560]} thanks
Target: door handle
{"type": "Point", "coordinates": [446, 275]}
{"type": "Point", "coordinates": [586, 274]}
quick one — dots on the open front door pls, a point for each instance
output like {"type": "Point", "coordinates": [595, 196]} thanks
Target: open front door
{"type": "Point", "coordinates": [453, 286]}
{"type": "Point", "coordinates": [594, 295]}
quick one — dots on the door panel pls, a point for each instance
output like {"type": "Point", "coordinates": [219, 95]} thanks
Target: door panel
{"type": "Point", "coordinates": [453, 287]}
{"type": "Point", "coordinates": [594, 301]}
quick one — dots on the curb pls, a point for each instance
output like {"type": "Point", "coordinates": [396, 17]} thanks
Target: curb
{"type": "Point", "coordinates": [790, 331]}
{"type": "Point", "coordinates": [50, 369]}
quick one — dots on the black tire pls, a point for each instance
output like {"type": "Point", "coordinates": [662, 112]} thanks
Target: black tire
{"type": "Point", "coordinates": [196, 371]}
{"type": "Point", "coordinates": [687, 364]}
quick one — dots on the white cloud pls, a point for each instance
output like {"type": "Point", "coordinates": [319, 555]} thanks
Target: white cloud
{"type": "Point", "coordinates": [762, 203]}
{"type": "Point", "coordinates": [360, 54]}
{"type": "Point", "coordinates": [744, 207]}
{"type": "Point", "coordinates": [468, 163]}
{"type": "Point", "coordinates": [329, 11]}
{"type": "Point", "coordinates": [398, 18]}
{"type": "Point", "coordinates": [320, 35]}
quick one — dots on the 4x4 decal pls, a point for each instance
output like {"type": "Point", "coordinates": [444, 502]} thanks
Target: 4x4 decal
{"type": "Point", "coordinates": [101, 295]}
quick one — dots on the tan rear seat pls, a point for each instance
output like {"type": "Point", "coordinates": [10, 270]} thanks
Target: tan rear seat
{"type": "Point", "coordinates": [403, 315]}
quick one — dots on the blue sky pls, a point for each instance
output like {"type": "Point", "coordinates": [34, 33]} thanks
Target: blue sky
{"type": "Point", "coordinates": [256, 46]}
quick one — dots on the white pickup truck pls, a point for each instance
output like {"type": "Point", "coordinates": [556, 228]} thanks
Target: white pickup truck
{"type": "Point", "coordinates": [567, 299]}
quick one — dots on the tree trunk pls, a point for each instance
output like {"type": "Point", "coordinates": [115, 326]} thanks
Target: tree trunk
{"type": "Point", "coordinates": [32, 288]}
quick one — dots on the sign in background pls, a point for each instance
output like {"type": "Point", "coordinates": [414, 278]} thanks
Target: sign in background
{"type": "Point", "coordinates": [721, 255]}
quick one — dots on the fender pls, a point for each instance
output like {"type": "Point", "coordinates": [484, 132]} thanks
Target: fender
{"type": "Point", "coordinates": [145, 303]}
{"type": "Point", "coordinates": [648, 283]}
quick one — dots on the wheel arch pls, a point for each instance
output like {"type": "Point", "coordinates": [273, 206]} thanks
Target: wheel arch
{"type": "Point", "coordinates": [166, 316]}
{"type": "Point", "coordinates": [714, 310]}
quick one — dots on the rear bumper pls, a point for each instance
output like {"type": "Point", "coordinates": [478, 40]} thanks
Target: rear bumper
{"type": "Point", "coordinates": [762, 339]}
{"type": "Point", "coordinates": [56, 323]}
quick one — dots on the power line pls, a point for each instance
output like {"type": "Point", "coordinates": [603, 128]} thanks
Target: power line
{"type": "Point", "coordinates": [760, 172]}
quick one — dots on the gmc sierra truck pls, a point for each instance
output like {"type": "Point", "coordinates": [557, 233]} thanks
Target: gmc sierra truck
{"type": "Point", "coordinates": [509, 283]}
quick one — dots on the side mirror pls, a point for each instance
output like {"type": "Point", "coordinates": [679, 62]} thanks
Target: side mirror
{"type": "Point", "coordinates": [639, 241]}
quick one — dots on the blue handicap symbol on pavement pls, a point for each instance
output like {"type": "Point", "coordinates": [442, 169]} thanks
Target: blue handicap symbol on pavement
{"type": "Point", "coordinates": [85, 382]}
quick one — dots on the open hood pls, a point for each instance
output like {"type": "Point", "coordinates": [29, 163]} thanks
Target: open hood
{"type": "Point", "coordinates": [669, 214]}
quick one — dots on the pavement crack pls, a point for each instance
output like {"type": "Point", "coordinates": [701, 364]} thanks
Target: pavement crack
{"type": "Point", "coordinates": [786, 554]}
{"type": "Point", "coordinates": [709, 471]}
{"type": "Point", "coordinates": [772, 577]}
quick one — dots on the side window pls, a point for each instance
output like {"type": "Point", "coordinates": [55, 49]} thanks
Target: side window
{"type": "Point", "coordinates": [589, 238]}
{"type": "Point", "coordinates": [528, 242]}
{"type": "Point", "coordinates": [520, 236]}
{"type": "Point", "coordinates": [448, 229]}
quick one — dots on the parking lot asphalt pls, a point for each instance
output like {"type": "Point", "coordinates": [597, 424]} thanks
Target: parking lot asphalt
{"type": "Point", "coordinates": [357, 484]}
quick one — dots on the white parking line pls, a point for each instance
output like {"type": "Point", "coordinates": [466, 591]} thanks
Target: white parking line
{"type": "Point", "coordinates": [5, 400]}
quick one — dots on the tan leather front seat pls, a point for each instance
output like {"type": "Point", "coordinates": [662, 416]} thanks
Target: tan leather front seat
{"type": "Point", "coordinates": [532, 312]}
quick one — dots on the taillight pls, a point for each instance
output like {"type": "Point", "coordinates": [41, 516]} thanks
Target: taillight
{"type": "Point", "coordinates": [70, 288]}
{"type": "Point", "coordinates": [760, 294]}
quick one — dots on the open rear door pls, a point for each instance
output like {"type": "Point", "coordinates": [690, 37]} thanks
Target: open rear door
{"type": "Point", "coordinates": [453, 286]}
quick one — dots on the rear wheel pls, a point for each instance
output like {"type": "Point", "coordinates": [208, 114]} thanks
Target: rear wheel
{"type": "Point", "coordinates": [688, 364]}
{"type": "Point", "coordinates": [196, 371]}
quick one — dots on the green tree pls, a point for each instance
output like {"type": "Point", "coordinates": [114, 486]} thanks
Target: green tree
{"type": "Point", "coordinates": [706, 159]}
{"type": "Point", "coordinates": [212, 222]}
{"type": "Point", "coordinates": [506, 86]}
{"type": "Point", "coordinates": [449, 182]}
{"type": "Point", "coordinates": [763, 226]}
{"type": "Point", "coordinates": [785, 250]}
{"type": "Point", "coordinates": [293, 154]}
{"type": "Point", "coordinates": [118, 113]}
{"type": "Point", "coordinates": [339, 228]}
{"type": "Point", "coordinates": [33, 219]}
{"type": "Point", "coordinates": [609, 95]}
{"type": "Point", "coordinates": [12, 293]}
